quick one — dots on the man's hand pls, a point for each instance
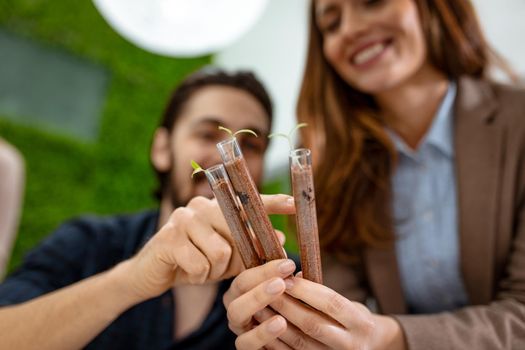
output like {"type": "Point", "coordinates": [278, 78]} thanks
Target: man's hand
{"type": "Point", "coordinates": [195, 246]}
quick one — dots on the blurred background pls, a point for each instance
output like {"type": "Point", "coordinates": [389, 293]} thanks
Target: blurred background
{"type": "Point", "coordinates": [82, 85]}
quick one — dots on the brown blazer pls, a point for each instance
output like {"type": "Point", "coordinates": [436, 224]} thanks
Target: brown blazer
{"type": "Point", "coordinates": [490, 164]}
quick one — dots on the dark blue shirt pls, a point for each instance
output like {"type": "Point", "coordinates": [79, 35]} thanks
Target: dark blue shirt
{"type": "Point", "coordinates": [90, 245]}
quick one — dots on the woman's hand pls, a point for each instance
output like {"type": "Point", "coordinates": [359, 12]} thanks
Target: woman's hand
{"type": "Point", "coordinates": [195, 246]}
{"type": "Point", "coordinates": [302, 315]}
{"type": "Point", "coordinates": [250, 317]}
{"type": "Point", "coordinates": [335, 321]}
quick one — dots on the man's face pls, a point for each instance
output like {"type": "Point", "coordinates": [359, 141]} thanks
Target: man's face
{"type": "Point", "coordinates": [195, 135]}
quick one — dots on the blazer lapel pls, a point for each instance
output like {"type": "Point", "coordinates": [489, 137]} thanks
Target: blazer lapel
{"type": "Point", "coordinates": [478, 144]}
{"type": "Point", "coordinates": [384, 279]}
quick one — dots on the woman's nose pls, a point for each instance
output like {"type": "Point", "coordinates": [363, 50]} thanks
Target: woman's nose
{"type": "Point", "coordinates": [353, 23]}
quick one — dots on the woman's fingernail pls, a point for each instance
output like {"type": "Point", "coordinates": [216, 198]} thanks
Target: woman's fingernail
{"type": "Point", "coordinates": [290, 201]}
{"type": "Point", "coordinates": [276, 325]}
{"type": "Point", "coordinates": [258, 315]}
{"type": "Point", "coordinates": [275, 287]}
{"type": "Point", "coordinates": [289, 283]}
{"type": "Point", "coordinates": [287, 267]}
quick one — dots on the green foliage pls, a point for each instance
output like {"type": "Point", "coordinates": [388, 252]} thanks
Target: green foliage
{"type": "Point", "coordinates": [66, 177]}
{"type": "Point", "coordinates": [281, 184]}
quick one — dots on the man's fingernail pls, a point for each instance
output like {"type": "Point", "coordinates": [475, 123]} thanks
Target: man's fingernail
{"type": "Point", "coordinates": [290, 201]}
{"type": "Point", "coordinates": [287, 267]}
{"type": "Point", "coordinates": [275, 286]}
{"type": "Point", "coordinates": [289, 283]}
{"type": "Point", "coordinates": [276, 325]}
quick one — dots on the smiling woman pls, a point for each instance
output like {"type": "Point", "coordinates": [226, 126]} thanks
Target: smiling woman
{"type": "Point", "coordinates": [414, 149]}
{"type": "Point", "coordinates": [395, 49]}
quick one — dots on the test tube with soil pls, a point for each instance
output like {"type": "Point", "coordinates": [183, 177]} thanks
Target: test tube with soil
{"type": "Point", "coordinates": [306, 217]}
{"type": "Point", "coordinates": [223, 191]}
{"type": "Point", "coordinates": [250, 199]}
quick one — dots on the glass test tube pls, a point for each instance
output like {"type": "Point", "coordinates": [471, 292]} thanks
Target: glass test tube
{"type": "Point", "coordinates": [306, 217]}
{"type": "Point", "coordinates": [251, 201]}
{"type": "Point", "coordinates": [221, 187]}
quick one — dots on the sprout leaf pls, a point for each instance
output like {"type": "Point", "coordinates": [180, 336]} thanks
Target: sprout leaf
{"type": "Point", "coordinates": [227, 130]}
{"type": "Point", "coordinates": [196, 168]}
{"type": "Point", "coordinates": [289, 136]}
{"type": "Point", "coordinates": [245, 131]}
{"type": "Point", "coordinates": [232, 134]}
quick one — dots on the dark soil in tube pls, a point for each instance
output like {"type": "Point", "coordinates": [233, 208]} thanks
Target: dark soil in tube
{"type": "Point", "coordinates": [306, 217]}
{"type": "Point", "coordinates": [253, 206]}
{"type": "Point", "coordinates": [232, 213]}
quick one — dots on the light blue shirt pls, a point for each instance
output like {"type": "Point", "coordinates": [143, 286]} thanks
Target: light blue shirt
{"type": "Point", "coordinates": [425, 217]}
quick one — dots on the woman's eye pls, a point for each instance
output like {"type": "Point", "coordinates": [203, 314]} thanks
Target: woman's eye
{"type": "Point", "coordinates": [372, 2]}
{"type": "Point", "coordinates": [330, 26]}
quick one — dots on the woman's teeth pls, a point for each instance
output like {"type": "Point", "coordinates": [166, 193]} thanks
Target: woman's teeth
{"type": "Point", "coordinates": [368, 53]}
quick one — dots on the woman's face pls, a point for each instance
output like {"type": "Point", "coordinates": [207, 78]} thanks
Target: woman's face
{"type": "Point", "coordinates": [374, 45]}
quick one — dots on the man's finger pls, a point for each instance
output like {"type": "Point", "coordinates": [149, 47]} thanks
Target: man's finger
{"type": "Point", "coordinates": [278, 204]}
{"type": "Point", "coordinates": [281, 236]}
{"type": "Point", "coordinates": [215, 247]}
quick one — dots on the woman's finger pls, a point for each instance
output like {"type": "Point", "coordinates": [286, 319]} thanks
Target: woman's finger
{"type": "Point", "coordinates": [241, 310]}
{"type": "Point", "coordinates": [250, 278]}
{"type": "Point", "coordinates": [312, 322]}
{"type": "Point", "coordinates": [261, 335]}
{"type": "Point", "coordinates": [277, 344]}
{"type": "Point", "coordinates": [329, 302]}
{"type": "Point", "coordinates": [293, 336]}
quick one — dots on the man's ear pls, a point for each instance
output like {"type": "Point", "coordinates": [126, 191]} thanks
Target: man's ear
{"type": "Point", "coordinates": [160, 150]}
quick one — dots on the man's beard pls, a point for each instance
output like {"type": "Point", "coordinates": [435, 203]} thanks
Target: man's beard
{"type": "Point", "coordinates": [176, 201]}
{"type": "Point", "coordinates": [174, 193]}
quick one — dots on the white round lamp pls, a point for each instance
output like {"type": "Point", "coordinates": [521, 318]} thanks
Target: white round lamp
{"type": "Point", "coordinates": [181, 28]}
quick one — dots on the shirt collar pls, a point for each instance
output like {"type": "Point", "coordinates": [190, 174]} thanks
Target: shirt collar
{"type": "Point", "coordinates": [440, 132]}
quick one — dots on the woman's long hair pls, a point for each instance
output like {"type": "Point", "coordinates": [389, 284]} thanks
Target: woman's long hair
{"type": "Point", "coordinates": [354, 156]}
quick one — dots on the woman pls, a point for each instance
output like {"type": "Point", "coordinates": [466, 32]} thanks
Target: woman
{"type": "Point", "coordinates": [423, 213]}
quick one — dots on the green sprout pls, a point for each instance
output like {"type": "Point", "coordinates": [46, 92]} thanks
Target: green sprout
{"type": "Point", "coordinates": [289, 136]}
{"type": "Point", "coordinates": [233, 134]}
{"type": "Point", "coordinates": [196, 168]}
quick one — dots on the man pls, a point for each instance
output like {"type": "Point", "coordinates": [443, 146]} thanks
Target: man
{"type": "Point", "coordinates": [150, 280]}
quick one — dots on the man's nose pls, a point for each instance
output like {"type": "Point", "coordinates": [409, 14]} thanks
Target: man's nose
{"type": "Point", "coordinates": [211, 157]}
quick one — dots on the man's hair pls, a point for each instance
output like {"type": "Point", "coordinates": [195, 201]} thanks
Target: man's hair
{"type": "Point", "coordinates": [209, 76]}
